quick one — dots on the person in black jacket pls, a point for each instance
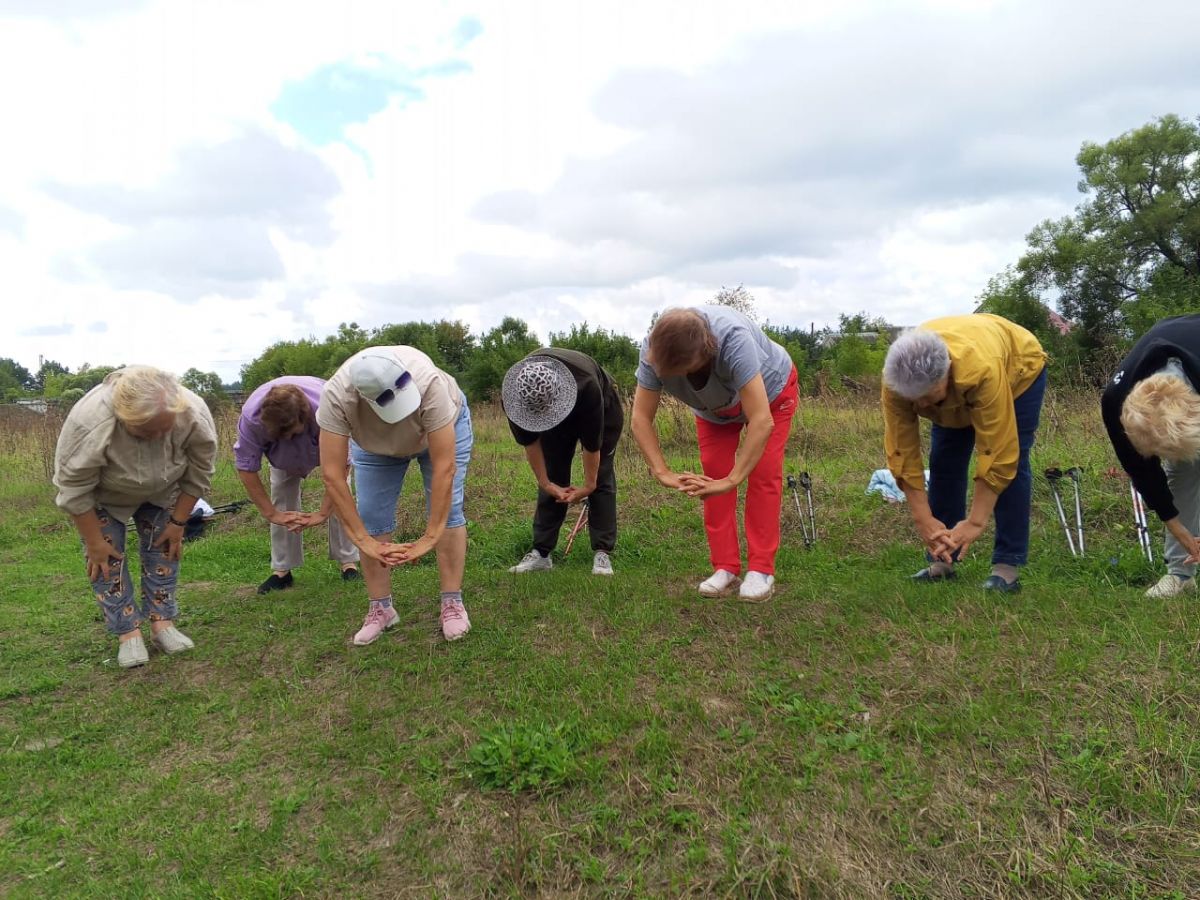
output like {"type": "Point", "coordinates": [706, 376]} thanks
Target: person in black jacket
{"type": "Point", "coordinates": [1151, 409]}
{"type": "Point", "coordinates": [555, 399]}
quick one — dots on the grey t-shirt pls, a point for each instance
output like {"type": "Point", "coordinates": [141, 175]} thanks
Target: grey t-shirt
{"type": "Point", "coordinates": [743, 351]}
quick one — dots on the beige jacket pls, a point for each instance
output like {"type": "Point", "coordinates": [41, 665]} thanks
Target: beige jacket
{"type": "Point", "coordinates": [100, 464]}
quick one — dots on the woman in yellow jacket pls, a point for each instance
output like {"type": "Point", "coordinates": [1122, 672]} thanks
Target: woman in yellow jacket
{"type": "Point", "coordinates": [981, 380]}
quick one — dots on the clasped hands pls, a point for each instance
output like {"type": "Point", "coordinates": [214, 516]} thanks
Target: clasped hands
{"type": "Point", "coordinates": [569, 494]}
{"type": "Point", "coordinates": [391, 554]}
{"type": "Point", "coordinates": [295, 522]}
{"type": "Point", "coordinates": [945, 544]}
{"type": "Point", "coordinates": [698, 486]}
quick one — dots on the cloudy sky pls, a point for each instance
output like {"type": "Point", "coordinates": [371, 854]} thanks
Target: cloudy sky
{"type": "Point", "coordinates": [185, 182]}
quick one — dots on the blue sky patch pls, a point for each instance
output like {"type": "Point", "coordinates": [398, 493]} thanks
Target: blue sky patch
{"type": "Point", "coordinates": [466, 31]}
{"type": "Point", "coordinates": [322, 105]}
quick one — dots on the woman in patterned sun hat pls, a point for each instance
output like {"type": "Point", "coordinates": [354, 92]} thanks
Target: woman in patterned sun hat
{"type": "Point", "coordinates": [555, 399]}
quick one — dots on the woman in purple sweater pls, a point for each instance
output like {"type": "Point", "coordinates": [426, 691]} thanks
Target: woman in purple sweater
{"type": "Point", "coordinates": [279, 421]}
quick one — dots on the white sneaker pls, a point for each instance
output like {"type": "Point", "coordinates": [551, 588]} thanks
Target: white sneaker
{"type": "Point", "coordinates": [132, 653]}
{"type": "Point", "coordinates": [601, 564]}
{"type": "Point", "coordinates": [172, 640]}
{"type": "Point", "coordinates": [1171, 586]}
{"type": "Point", "coordinates": [719, 584]}
{"type": "Point", "coordinates": [533, 562]}
{"type": "Point", "coordinates": [757, 588]}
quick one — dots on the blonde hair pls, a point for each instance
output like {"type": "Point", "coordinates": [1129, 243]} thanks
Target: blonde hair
{"type": "Point", "coordinates": [679, 339]}
{"type": "Point", "coordinates": [1161, 417]}
{"type": "Point", "coordinates": [142, 392]}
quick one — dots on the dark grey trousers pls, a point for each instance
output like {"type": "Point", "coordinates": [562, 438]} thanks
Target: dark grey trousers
{"type": "Point", "coordinates": [602, 504]}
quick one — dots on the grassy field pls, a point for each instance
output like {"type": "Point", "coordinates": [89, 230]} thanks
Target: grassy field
{"type": "Point", "coordinates": [859, 736]}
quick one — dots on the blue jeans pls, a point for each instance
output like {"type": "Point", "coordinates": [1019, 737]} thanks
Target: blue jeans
{"type": "Point", "coordinates": [949, 456]}
{"type": "Point", "coordinates": [122, 613]}
{"type": "Point", "coordinates": [379, 479]}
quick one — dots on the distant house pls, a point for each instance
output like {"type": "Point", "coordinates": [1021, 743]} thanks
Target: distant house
{"type": "Point", "coordinates": [34, 404]}
{"type": "Point", "coordinates": [1063, 326]}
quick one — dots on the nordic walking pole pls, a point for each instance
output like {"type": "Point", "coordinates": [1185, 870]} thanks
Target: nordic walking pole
{"type": "Point", "coordinates": [1139, 518]}
{"type": "Point", "coordinates": [806, 483]}
{"type": "Point", "coordinates": [1074, 474]}
{"type": "Point", "coordinates": [791, 483]}
{"type": "Point", "coordinates": [1053, 476]}
{"type": "Point", "coordinates": [579, 523]}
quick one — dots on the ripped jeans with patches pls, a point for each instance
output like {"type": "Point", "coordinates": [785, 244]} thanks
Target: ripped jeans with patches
{"type": "Point", "coordinates": [159, 574]}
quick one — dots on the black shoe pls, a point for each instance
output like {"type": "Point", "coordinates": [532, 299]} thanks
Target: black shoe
{"type": "Point", "coordinates": [996, 583]}
{"type": "Point", "coordinates": [275, 583]}
{"type": "Point", "coordinates": [926, 575]}
{"type": "Point", "coordinates": [350, 574]}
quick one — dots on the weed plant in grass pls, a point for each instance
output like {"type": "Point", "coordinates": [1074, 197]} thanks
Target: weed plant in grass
{"type": "Point", "coordinates": [859, 736]}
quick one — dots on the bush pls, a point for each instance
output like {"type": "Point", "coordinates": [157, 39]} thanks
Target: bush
{"type": "Point", "coordinates": [520, 757]}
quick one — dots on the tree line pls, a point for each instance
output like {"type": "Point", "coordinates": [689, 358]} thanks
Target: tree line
{"type": "Point", "coordinates": [1087, 285]}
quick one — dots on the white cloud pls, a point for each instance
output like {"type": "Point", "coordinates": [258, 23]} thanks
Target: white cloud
{"type": "Point", "coordinates": [594, 161]}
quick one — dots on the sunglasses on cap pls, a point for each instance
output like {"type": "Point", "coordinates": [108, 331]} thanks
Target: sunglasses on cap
{"type": "Point", "coordinates": [389, 395]}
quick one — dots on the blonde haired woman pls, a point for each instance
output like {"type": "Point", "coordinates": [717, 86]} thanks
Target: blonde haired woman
{"type": "Point", "coordinates": [137, 445]}
{"type": "Point", "coordinates": [1151, 409]}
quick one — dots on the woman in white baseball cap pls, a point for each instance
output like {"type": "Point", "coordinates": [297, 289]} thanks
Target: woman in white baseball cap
{"type": "Point", "coordinates": [390, 406]}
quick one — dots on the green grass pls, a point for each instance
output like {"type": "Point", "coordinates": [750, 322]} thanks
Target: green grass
{"type": "Point", "coordinates": [859, 736]}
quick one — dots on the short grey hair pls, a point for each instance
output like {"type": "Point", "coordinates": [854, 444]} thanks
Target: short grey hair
{"type": "Point", "coordinates": [916, 363]}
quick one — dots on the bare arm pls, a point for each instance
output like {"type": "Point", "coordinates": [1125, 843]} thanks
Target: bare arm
{"type": "Point", "coordinates": [172, 534]}
{"type": "Point", "coordinates": [934, 533]}
{"type": "Point", "coordinates": [257, 493]}
{"type": "Point", "coordinates": [1186, 538]}
{"type": "Point", "coordinates": [334, 450]}
{"type": "Point", "coordinates": [100, 553]}
{"type": "Point", "coordinates": [645, 407]}
{"type": "Point", "coordinates": [591, 477]}
{"type": "Point", "coordinates": [537, 463]}
{"type": "Point", "coordinates": [441, 455]}
{"type": "Point", "coordinates": [760, 424]}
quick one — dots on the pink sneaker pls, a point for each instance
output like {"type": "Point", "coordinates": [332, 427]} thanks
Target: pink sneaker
{"type": "Point", "coordinates": [378, 620]}
{"type": "Point", "coordinates": [454, 620]}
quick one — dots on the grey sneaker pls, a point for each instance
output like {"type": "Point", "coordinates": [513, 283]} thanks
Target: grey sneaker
{"type": "Point", "coordinates": [132, 653]}
{"type": "Point", "coordinates": [1171, 586]}
{"type": "Point", "coordinates": [172, 640]}
{"type": "Point", "coordinates": [533, 562]}
{"type": "Point", "coordinates": [601, 564]}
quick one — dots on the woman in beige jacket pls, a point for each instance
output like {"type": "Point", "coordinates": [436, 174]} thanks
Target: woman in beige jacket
{"type": "Point", "coordinates": [137, 445]}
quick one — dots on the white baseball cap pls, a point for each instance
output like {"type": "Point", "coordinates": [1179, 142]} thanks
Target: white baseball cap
{"type": "Point", "coordinates": [383, 382]}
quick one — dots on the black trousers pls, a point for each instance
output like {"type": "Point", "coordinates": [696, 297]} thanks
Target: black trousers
{"type": "Point", "coordinates": [602, 504]}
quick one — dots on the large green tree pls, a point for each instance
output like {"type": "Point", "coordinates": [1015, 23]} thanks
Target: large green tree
{"type": "Point", "coordinates": [48, 369]}
{"type": "Point", "coordinates": [305, 357]}
{"type": "Point", "coordinates": [207, 385]}
{"type": "Point", "coordinates": [14, 379]}
{"type": "Point", "coordinates": [1130, 254]}
{"type": "Point", "coordinates": [448, 344]}
{"type": "Point", "coordinates": [617, 353]}
{"type": "Point", "coordinates": [504, 345]}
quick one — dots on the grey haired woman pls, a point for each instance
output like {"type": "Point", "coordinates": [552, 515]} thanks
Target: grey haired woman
{"type": "Point", "coordinates": [980, 379]}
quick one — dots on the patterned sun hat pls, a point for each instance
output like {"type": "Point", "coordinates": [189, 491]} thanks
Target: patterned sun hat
{"type": "Point", "coordinates": [538, 393]}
